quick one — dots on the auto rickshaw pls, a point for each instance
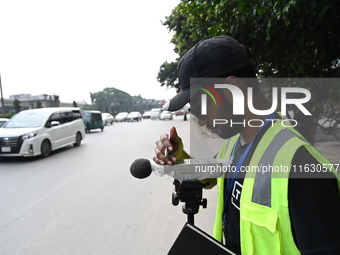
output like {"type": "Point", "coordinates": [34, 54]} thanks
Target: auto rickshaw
{"type": "Point", "coordinates": [92, 120]}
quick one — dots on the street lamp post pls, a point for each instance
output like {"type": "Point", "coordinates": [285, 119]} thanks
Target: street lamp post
{"type": "Point", "coordinates": [2, 98]}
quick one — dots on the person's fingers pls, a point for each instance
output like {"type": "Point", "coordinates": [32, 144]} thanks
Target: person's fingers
{"type": "Point", "coordinates": [163, 162]}
{"type": "Point", "coordinates": [158, 161]}
{"type": "Point", "coordinates": [171, 143]}
{"type": "Point", "coordinates": [164, 142]}
{"type": "Point", "coordinates": [160, 157]}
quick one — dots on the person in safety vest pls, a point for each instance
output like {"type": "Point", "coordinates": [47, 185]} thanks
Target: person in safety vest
{"type": "Point", "coordinates": [272, 212]}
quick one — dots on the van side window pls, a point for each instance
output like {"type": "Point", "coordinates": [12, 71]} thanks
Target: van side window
{"type": "Point", "coordinates": [54, 117]}
{"type": "Point", "coordinates": [76, 115]}
{"type": "Point", "coordinates": [66, 117]}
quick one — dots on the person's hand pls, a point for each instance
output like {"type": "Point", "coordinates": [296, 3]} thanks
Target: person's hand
{"type": "Point", "coordinates": [174, 147]}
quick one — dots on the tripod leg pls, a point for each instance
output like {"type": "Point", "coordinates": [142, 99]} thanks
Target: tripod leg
{"type": "Point", "coordinates": [191, 219]}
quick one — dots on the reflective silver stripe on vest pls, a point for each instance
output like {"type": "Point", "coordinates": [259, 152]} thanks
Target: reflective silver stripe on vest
{"type": "Point", "coordinates": [262, 185]}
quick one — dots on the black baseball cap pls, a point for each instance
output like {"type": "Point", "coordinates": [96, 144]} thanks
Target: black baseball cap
{"type": "Point", "coordinates": [215, 57]}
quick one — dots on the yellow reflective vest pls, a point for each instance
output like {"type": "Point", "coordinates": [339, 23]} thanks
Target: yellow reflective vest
{"type": "Point", "coordinates": [265, 226]}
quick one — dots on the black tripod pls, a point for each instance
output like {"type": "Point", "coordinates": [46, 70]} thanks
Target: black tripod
{"type": "Point", "coordinates": [191, 239]}
{"type": "Point", "coordinates": [189, 192]}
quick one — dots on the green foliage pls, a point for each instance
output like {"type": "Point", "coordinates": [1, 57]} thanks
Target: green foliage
{"type": "Point", "coordinates": [16, 104]}
{"type": "Point", "coordinates": [7, 115]}
{"type": "Point", "coordinates": [167, 75]}
{"type": "Point", "coordinates": [74, 104]}
{"type": "Point", "coordinates": [38, 104]}
{"type": "Point", "coordinates": [113, 100]}
{"type": "Point", "coordinates": [178, 22]}
{"type": "Point", "coordinates": [288, 38]}
{"type": "Point", "coordinates": [89, 107]}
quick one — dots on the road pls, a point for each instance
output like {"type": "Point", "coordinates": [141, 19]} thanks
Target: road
{"type": "Point", "coordinates": [84, 200]}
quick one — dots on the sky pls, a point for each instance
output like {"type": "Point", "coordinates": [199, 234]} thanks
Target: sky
{"type": "Point", "coordinates": [73, 47]}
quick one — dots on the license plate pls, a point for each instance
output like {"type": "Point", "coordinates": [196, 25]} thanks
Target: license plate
{"type": "Point", "coordinates": [5, 149]}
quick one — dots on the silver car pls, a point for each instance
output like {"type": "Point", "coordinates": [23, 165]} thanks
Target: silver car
{"type": "Point", "coordinates": [166, 115]}
{"type": "Point", "coordinates": [134, 116]}
{"type": "Point", "coordinates": [107, 118]}
{"type": "Point", "coordinates": [120, 117]}
{"type": "Point", "coordinates": [3, 121]}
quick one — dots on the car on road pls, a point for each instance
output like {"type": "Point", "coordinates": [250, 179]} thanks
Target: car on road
{"type": "Point", "coordinates": [134, 116]}
{"type": "Point", "coordinates": [40, 131]}
{"type": "Point", "coordinates": [120, 117]}
{"type": "Point", "coordinates": [107, 118]}
{"type": "Point", "coordinates": [146, 115]}
{"type": "Point", "coordinates": [3, 121]}
{"type": "Point", "coordinates": [166, 115]}
{"type": "Point", "coordinates": [179, 112]}
{"type": "Point", "coordinates": [155, 113]}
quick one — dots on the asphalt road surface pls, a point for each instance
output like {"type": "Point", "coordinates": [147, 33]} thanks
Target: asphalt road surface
{"type": "Point", "coordinates": [84, 200]}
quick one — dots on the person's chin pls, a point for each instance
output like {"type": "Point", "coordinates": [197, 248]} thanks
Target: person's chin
{"type": "Point", "coordinates": [226, 134]}
{"type": "Point", "coordinates": [219, 132]}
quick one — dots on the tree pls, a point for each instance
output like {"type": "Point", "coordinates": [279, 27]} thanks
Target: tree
{"type": "Point", "coordinates": [89, 107]}
{"type": "Point", "coordinates": [112, 100]}
{"type": "Point", "coordinates": [74, 104]}
{"type": "Point", "coordinates": [167, 75]}
{"type": "Point", "coordinates": [38, 104]}
{"type": "Point", "coordinates": [16, 104]}
{"type": "Point", "coordinates": [288, 38]}
{"type": "Point", "coordinates": [92, 98]}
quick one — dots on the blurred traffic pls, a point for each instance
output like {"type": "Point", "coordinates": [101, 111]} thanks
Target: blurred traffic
{"type": "Point", "coordinates": [38, 132]}
{"type": "Point", "coordinates": [3, 121]}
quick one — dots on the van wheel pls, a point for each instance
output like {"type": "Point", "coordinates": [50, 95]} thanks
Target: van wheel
{"type": "Point", "coordinates": [78, 140]}
{"type": "Point", "coordinates": [45, 148]}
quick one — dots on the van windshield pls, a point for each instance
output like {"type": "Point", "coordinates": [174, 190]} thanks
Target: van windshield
{"type": "Point", "coordinates": [27, 120]}
{"type": "Point", "coordinates": [87, 115]}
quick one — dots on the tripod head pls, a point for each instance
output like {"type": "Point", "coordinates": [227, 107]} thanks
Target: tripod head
{"type": "Point", "coordinates": [189, 192]}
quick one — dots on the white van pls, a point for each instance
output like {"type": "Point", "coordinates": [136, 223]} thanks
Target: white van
{"type": "Point", "coordinates": [40, 131]}
{"type": "Point", "coordinates": [155, 113]}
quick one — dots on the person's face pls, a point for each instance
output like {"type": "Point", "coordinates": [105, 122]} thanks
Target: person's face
{"type": "Point", "coordinates": [216, 111]}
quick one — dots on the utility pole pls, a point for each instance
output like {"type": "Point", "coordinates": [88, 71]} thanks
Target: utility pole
{"type": "Point", "coordinates": [2, 98]}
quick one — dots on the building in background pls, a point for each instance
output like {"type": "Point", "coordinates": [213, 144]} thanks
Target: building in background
{"type": "Point", "coordinates": [27, 101]}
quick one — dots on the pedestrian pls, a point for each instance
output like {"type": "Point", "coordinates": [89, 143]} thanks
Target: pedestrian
{"type": "Point", "coordinates": [185, 116]}
{"type": "Point", "coordinates": [271, 213]}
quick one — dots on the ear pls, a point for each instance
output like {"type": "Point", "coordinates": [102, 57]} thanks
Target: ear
{"type": "Point", "coordinates": [233, 80]}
